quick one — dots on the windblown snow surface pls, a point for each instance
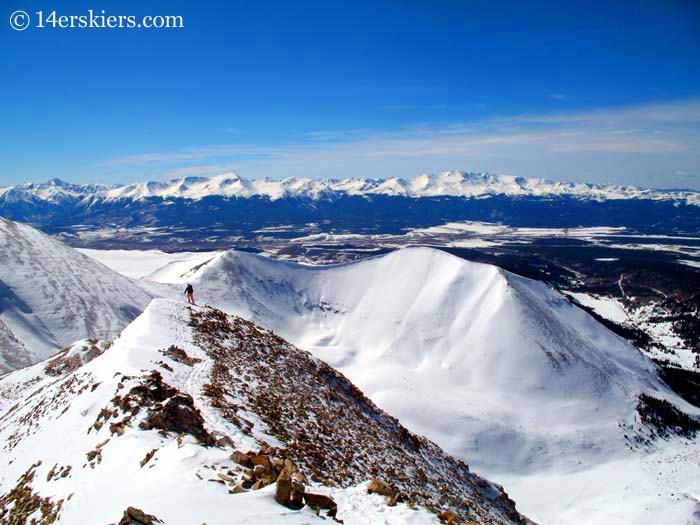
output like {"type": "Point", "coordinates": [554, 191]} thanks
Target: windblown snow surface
{"type": "Point", "coordinates": [499, 370]}
{"type": "Point", "coordinates": [96, 430]}
{"type": "Point", "coordinates": [51, 296]}
{"type": "Point", "coordinates": [151, 265]}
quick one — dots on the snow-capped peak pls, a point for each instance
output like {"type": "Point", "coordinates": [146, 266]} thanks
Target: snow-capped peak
{"type": "Point", "coordinates": [448, 183]}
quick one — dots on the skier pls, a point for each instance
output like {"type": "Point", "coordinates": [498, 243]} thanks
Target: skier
{"type": "Point", "coordinates": [189, 291]}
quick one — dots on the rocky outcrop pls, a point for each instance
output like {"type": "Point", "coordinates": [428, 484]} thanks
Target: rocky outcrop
{"type": "Point", "coordinates": [73, 357]}
{"type": "Point", "coordinates": [167, 409]}
{"type": "Point", "coordinates": [254, 471]}
{"type": "Point", "coordinates": [320, 502]}
{"type": "Point", "coordinates": [134, 516]}
{"type": "Point", "coordinates": [331, 431]}
{"type": "Point", "coordinates": [24, 506]}
{"type": "Point", "coordinates": [180, 356]}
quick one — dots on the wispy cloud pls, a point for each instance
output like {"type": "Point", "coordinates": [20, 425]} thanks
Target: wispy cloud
{"type": "Point", "coordinates": [631, 145]}
{"type": "Point", "coordinates": [684, 112]}
{"type": "Point", "coordinates": [558, 96]}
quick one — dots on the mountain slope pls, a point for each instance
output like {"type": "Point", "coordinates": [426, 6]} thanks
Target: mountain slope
{"type": "Point", "coordinates": [517, 366]}
{"type": "Point", "coordinates": [152, 423]}
{"type": "Point", "coordinates": [499, 370]}
{"type": "Point", "coordinates": [51, 295]}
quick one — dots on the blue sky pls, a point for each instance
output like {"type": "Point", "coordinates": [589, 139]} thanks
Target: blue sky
{"type": "Point", "coordinates": [596, 91]}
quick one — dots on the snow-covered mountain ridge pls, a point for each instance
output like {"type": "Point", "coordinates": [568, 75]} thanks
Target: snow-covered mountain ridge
{"type": "Point", "coordinates": [230, 185]}
{"type": "Point", "coordinates": [162, 420]}
{"type": "Point", "coordinates": [436, 339]}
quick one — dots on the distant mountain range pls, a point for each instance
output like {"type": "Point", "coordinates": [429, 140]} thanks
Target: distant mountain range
{"type": "Point", "coordinates": [449, 183]}
{"type": "Point", "coordinates": [216, 212]}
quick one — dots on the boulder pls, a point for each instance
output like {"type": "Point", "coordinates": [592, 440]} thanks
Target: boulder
{"type": "Point", "coordinates": [289, 492]}
{"type": "Point", "coordinates": [319, 501]}
{"type": "Point", "coordinates": [134, 516]}
{"type": "Point", "coordinates": [262, 461]}
{"type": "Point", "coordinates": [377, 486]}
{"type": "Point", "coordinates": [260, 484]}
{"type": "Point", "coordinates": [448, 518]}
{"type": "Point", "coordinates": [277, 464]}
{"type": "Point", "coordinates": [222, 440]}
{"type": "Point", "coordinates": [283, 489]}
{"type": "Point", "coordinates": [289, 467]}
{"type": "Point", "coordinates": [238, 489]}
{"type": "Point", "coordinates": [242, 459]}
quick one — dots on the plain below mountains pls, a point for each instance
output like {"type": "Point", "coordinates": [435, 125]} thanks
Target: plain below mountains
{"type": "Point", "coordinates": [200, 212]}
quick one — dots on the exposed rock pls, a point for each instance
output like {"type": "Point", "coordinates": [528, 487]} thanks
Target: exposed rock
{"type": "Point", "coordinates": [377, 486]}
{"type": "Point", "coordinates": [222, 441]}
{"type": "Point", "coordinates": [448, 518]}
{"type": "Point", "coordinates": [21, 504]}
{"type": "Point", "coordinates": [321, 502]}
{"type": "Point", "coordinates": [283, 489]}
{"type": "Point", "coordinates": [238, 489]}
{"type": "Point", "coordinates": [168, 409]}
{"type": "Point", "coordinates": [289, 467]}
{"type": "Point", "coordinates": [260, 484]}
{"type": "Point", "coordinates": [289, 492]}
{"type": "Point", "coordinates": [134, 516]}
{"type": "Point", "coordinates": [261, 465]}
{"type": "Point", "coordinates": [242, 459]}
{"type": "Point", "coordinates": [179, 355]}
{"type": "Point", "coordinates": [148, 457]}
{"type": "Point", "coordinates": [73, 357]}
{"type": "Point", "coordinates": [226, 477]}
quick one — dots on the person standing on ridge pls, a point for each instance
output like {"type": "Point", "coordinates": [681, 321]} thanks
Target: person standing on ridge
{"type": "Point", "coordinates": [189, 291]}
